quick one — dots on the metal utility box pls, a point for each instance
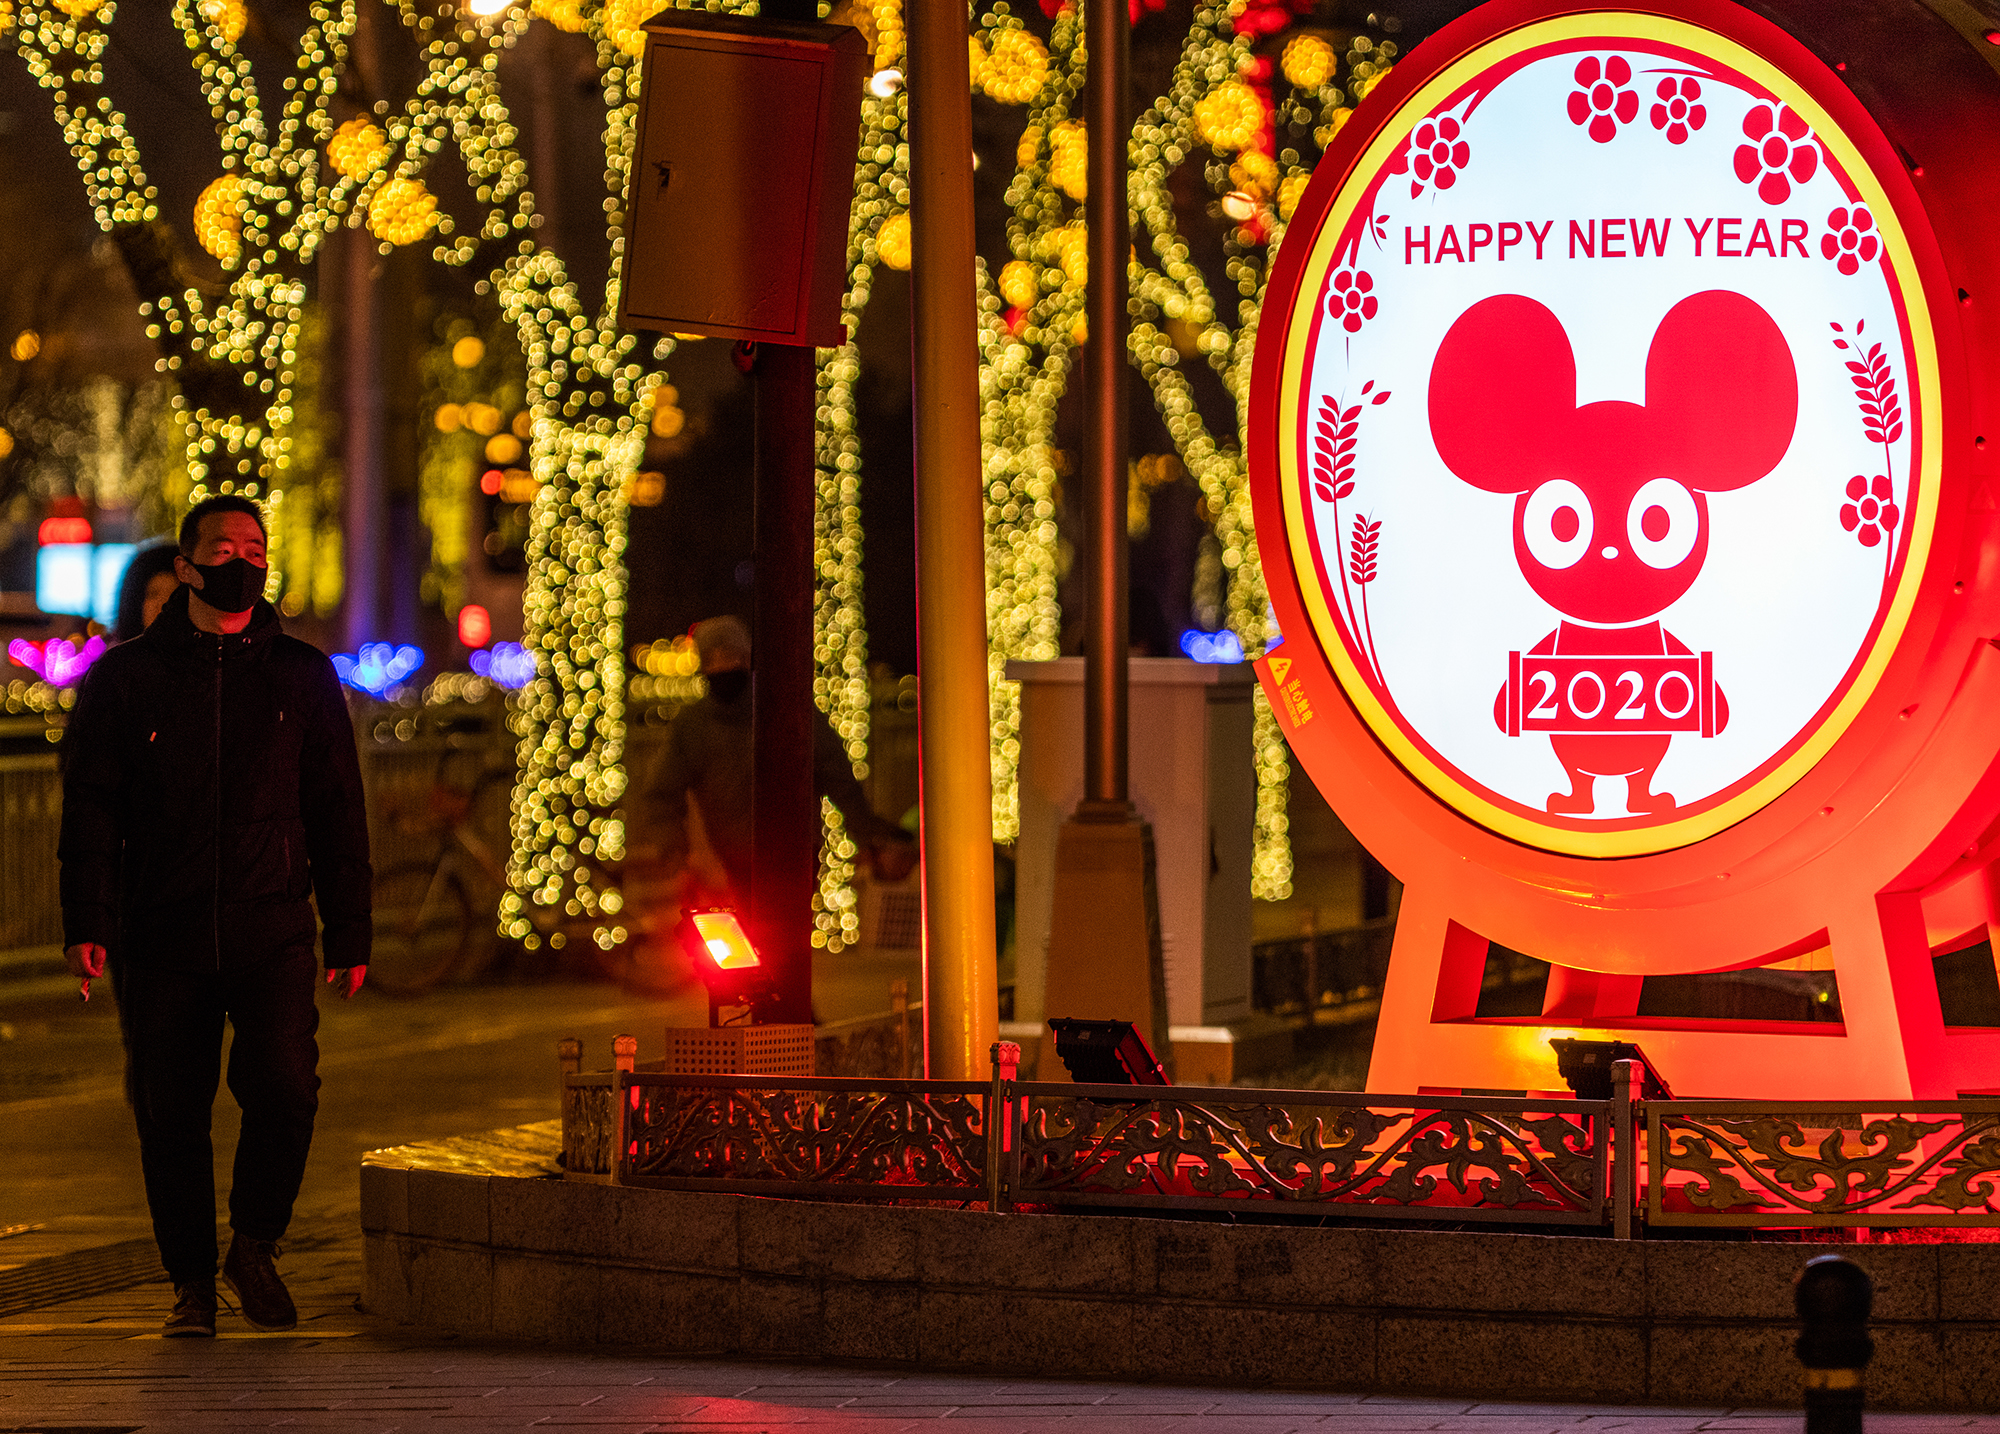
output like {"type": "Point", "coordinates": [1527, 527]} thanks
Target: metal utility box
{"type": "Point", "coordinates": [1193, 777]}
{"type": "Point", "coordinates": [736, 220]}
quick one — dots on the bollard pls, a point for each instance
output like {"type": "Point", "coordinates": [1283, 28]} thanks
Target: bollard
{"type": "Point", "coordinates": [1833, 1296]}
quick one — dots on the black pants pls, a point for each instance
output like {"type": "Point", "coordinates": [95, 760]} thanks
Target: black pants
{"type": "Point", "coordinates": [172, 1024]}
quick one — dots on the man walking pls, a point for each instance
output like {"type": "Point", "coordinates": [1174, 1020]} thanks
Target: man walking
{"type": "Point", "coordinates": [212, 795]}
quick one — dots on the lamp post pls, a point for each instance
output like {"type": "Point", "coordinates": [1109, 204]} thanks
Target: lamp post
{"type": "Point", "coordinates": [955, 788]}
{"type": "Point", "coordinates": [1104, 958]}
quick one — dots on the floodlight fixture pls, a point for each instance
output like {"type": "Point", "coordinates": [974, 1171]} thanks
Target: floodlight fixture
{"type": "Point", "coordinates": [724, 960]}
{"type": "Point", "coordinates": [1106, 1053]}
{"type": "Point", "coordinates": [1585, 1067]}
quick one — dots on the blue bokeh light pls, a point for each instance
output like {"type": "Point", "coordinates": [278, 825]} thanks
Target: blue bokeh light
{"type": "Point", "coordinates": [1211, 646]}
{"type": "Point", "coordinates": [505, 664]}
{"type": "Point", "coordinates": [378, 667]}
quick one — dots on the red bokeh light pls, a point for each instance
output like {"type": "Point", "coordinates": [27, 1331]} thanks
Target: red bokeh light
{"type": "Point", "coordinates": [475, 625]}
{"type": "Point", "coordinates": [63, 530]}
{"type": "Point", "coordinates": [490, 481]}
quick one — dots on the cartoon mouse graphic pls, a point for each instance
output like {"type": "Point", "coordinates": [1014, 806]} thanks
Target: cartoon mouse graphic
{"type": "Point", "coordinates": [1611, 512]}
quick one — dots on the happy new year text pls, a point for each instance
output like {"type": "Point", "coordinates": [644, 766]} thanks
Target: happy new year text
{"type": "Point", "coordinates": [1714, 237]}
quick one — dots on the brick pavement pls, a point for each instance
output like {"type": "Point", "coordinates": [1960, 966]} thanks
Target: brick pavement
{"type": "Point", "coordinates": [98, 1365]}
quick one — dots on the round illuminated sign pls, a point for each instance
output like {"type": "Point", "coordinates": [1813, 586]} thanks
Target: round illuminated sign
{"type": "Point", "coordinates": [1606, 452]}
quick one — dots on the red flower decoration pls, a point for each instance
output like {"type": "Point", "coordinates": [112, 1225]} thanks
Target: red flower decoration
{"type": "Point", "coordinates": [1437, 154]}
{"type": "Point", "coordinates": [1679, 111]}
{"type": "Point", "coordinates": [1351, 300]}
{"type": "Point", "coordinates": [1851, 241]}
{"type": "Point", "coordinates": [1601, 101]}
{"type": "Point", "coordinates": [1781, 152]}
{"type": "Point", "coordinates": [1871, 517]}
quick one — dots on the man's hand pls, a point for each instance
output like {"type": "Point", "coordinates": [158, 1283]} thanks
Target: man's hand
{"type": "Point", "coordinates": [86, 962]}
{"type": "Point", "coordinates": [347, 979]}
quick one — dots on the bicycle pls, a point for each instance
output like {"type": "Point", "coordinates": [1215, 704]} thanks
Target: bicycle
{"type": "Point", "coordinates": [434, 916]}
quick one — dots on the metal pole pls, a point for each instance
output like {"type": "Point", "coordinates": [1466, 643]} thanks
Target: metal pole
{"type": "Point", "coordinates": [1104, 954]}
{"type": "Point", "coordinates": [955, 783]}
{"type": "Point", "coordinates": [785, 813]}
{"type": "Point", "coordinates": [361, 446]}
{"type": "Point", "coordinates": [1107, 36]}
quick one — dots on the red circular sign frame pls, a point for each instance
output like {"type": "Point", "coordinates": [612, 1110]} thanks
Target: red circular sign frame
{"type": "Point", "coordinates": [1880, 848]}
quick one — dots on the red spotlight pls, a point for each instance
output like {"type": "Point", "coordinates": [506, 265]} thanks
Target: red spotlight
{"type": "Point", "coordinates": [724, 960]}
{"type": "Point", "coordinates": [475, 625]}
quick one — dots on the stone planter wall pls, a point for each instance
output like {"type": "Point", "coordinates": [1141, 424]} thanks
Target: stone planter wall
{"type": "Point", "coordinates": [1685, 1322]}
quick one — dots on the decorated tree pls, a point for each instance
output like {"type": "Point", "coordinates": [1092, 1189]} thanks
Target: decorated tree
{"type": "Point", "coordinates": [443, 168]}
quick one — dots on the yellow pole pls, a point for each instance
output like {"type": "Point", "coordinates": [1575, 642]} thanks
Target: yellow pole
{"type": "Point", "coordinates": [961, 992]}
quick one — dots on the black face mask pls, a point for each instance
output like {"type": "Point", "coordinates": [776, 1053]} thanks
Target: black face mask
{"type": "Point", "coordinates": [728, 686]}
{"type": "Point", "coordinates": [233, 586]}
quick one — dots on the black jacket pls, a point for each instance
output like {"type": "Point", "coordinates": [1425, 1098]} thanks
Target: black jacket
{"type": "Point", "coordinates": [165, 864]}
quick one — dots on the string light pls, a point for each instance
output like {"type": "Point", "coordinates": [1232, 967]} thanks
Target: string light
{"type": "Point", "coordinates": [589, 403]}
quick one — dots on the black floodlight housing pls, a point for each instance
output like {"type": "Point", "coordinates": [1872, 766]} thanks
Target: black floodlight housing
{"type": "Point", "coordinates": [1586, 1068]}
{"type": "Point", "coordinates": [1106, 1053]}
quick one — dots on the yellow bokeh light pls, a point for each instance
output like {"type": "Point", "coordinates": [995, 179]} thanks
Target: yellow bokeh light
{"type": "Point", "coordinates": [1069, 159]}
{"type": "Point", "coordinates": [26, 345]}
{"type": "Point", "coordinates": [482, 418]}
{"type": "Point", "coordinates": [228, 16]}
{"type": "Point", "coordinates": [565, 15]}
{"type": "Point", "coordinates": [218, 218]}
{"type": "Point", "coordinates": [468, 351]}
{"type": "Point", "coordinates": [1308, 61]}
{"type": "Point", "coordinates": [503, 448]}
{"type": "Point", "coordinates": [668, 422]}
{"type": "Point", "coordinates": [625, 20]}
{"type": "Point", "coordinates": [402, 212]}
{"type": "Point", "coordinates": [1019, 285]}
{"type": "Point", "coordinates": [6, 443]}
{"type": "Point", "coordinates": [1228, 117]}
{"type": "Point", "coordinates": [358, 148]}
{"type": "Point", "coordinates": [892, 241]}
{"type": "Point", "coordinates": [1016, 67]}
{"type": "Point", "coordinates": [1289, 194]}
{"type": "Point", "coordinates": [449, 418]}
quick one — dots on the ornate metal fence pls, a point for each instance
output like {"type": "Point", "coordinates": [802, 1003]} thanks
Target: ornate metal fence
{"type": "Point", "coordinates": [1298, 1152]}
{"type": "Point", "coordinates": [1848, 1163]}
{"type": "Point", "coordinates": [1309, 1152]}
{"type": "Point", "coordinates": [1306, 1153]}
{"type": "Point", "coordinates": [765, 1136]}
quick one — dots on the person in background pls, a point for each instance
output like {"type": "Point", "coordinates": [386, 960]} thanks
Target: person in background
{"type": "Point", "coordinates": [709, 758]}
{"type": "Point", "coordinates": [148, 582]}
{"type": "Point", "coordinates": [211, 799]}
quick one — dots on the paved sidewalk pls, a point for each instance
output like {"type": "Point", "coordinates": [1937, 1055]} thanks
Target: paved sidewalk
{"type": "Point", "coordinates": [99, 1365]}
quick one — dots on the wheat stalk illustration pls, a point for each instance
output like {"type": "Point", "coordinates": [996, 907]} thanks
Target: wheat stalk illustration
{"type": "Point", "coordinates": [1334, 436]}
{"type": "Point", "coordinates": [1361, 547]}
{"type": "Point", "coordinates": [1881, 408]}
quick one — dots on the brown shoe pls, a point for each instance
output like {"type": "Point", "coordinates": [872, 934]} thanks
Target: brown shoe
{"type": "Point", "coordinates": [194, 1312]}
{"type": "Point", "coordinates": [260, 1294]}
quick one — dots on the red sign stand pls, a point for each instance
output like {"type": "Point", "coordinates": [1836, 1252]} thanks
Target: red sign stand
{"type": "Point", "coordinates": [1618, 443]}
